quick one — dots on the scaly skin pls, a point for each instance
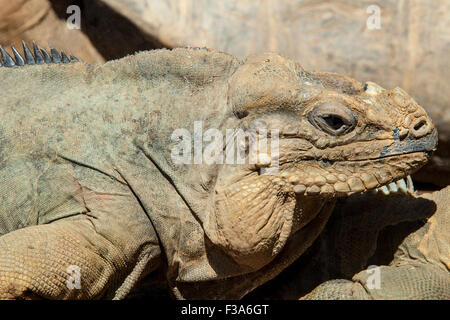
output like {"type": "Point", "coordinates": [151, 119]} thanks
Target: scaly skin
{"type": "Point", "coordinates": [393, 55]}
{"type": "Point", "coordinates": [420, 268]}
{"type": "Point", "coordinates": [87, 178]}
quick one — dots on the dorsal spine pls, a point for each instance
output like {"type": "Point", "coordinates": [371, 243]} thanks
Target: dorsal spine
{"type": "Point", "coordinates": [38, 56]}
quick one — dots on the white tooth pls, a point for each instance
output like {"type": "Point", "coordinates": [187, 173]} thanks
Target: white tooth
{"type": "Point", "coordinates": [409, 184]}
{"type": "Point", "coordinates": [393, 187]}
{"type": "Point", "coordinates": [385, 190]}
{"type": "Point", "coordinates": [401, 184]}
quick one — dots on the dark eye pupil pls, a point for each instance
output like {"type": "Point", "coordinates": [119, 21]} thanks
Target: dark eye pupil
{"type": "Point", "coordinates": [332, 118]}
{"type": "Point", "coordinates": [334, 122]}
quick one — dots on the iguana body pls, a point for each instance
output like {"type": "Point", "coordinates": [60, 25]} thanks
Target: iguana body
{"type": "Point", "coordinates": [87, 177]}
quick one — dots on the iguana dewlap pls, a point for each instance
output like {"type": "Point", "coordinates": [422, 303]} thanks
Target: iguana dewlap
{"type": "Point", "coordinates": [88, 182]}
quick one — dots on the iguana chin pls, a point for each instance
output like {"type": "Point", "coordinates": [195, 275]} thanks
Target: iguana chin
{"type": "Point", "coordinates": [87, 178]}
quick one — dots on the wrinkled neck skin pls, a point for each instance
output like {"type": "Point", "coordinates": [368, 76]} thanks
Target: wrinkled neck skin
{"type": "Point", "coordinates": [254, 226]}
{"type": "Point", "coordinates": [245, 219]}
{"type": "Point", "coordinates": [239, 285]}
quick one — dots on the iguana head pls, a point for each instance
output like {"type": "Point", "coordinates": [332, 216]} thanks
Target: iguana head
{"type": "Point", "coordinates": [337, 136]}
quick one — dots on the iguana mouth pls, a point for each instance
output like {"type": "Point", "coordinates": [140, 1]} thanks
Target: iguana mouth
{"type": "Point", "coordinates": [343, 178]}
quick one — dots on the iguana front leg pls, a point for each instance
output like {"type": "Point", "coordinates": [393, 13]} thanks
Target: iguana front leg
{"type": "Point", "coordinates": [38, 261]}
{"type": "Point", "coordinates": [415, 281]}
{"type": "Point", "coordinates": [420, 269]}
{"type": "Point", "coordinates": [67, 259]}
{"type": "Point", "coordinates": [79, 224]}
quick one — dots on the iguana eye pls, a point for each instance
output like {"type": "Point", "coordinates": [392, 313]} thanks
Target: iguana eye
{"type": "Point", "coordinates": [332, 118]}
{"type": "Point", "coordinates": [334, 122]}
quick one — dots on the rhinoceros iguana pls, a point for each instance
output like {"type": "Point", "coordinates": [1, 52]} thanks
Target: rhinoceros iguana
{"type": "Point", "coordinates": [92, 201]}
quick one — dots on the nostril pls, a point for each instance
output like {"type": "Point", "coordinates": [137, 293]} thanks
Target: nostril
{"type": "Point", "coordinates": [420, 127]}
